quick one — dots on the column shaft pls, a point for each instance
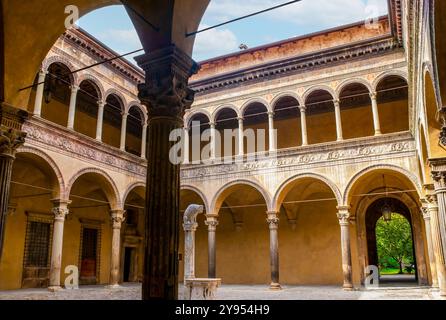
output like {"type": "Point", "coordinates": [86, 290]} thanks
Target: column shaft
{"type": "Point", "coordinates": [212, 223]}
{"type": "Point", "coordinates": [72, 109]}
{"type": "Point", "coordinates": [39, 93]}
{"type": "Point", "coordinates": [375, 112]}
{"type": "Point", "coordinates": [303, 125]}
{"type": "Point", "coordinates": [117, 217]}
{"type": "Point", "coordinates": [213, 141]}
{"type": "Point", "coordinates": [432, 262]}
{"type": "Point", "coordinates": [186, 156]}
{"type": "Point", "coordinates": [271, 132]}
{"type": "Point", "coordinates": [100, 121]}
{"type": "Point", "coordinates": [338, 117]}
{"type": "Point", "coordinates": [144, 141]}
{"type": "Point", "coordinates": [123, 131]}
{"type": "Point", "coordinates": [273, 222]}
{"type": "Point", "coordinates": [344, 216]}
{"type": "Point", "coordinates": [241, 142]}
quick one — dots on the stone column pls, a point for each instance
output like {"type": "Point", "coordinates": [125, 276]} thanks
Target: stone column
{"type": "Point", "coordinates": [166, 95]}
{"type": "Point", "coordinates": [100, 122]}
{"type": "Point", "coordinates": [11, 138]}
{"type": "Point", "coordinates": [213, 141]}
{"type": "Point", "coordinates": [186, 156]}
{"type": "Point", "coordinates": [344, 216]}
{"type": "Point", "coordinates": [376, 123]}
{"type": "Point", "coordinates": [72, 109]}
{"type": "Point", "coordinates": [339, 134]}
{"type": "Point", "coordinates": [303, 124]}
{"type": "Point", "coordinates": [212, 223]}
{"type": "Point", "coordinates": [117, 218]}
{"type": "Point", "coordinates": [273, 222]}
{"type": "Point", "coordinates": [190, 226]}
{"type": "Point", "coordinates": [271, 132]}
{"type": "Point", "coordinates": [60, 211]}
{"type": "Point", "coordinates": [123, 130]}
{"type": "Point", "coordinates": [436, 242]}
{"type": "Point", "coordinates": [440, 190]}
{"type": "Point", "coordinates": [39, 93]}
{"type": "Point", "coordinates": [241, 136]}
{"type": "Point", "coordinates": [427, 222]}
{"type": "Point", "coordinates": [144, 140]}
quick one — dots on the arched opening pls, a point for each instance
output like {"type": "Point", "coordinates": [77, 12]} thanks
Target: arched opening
{"type": "Point", "coordinates": [393, 104]}
{"type": "Point", "coordinates": [382, 190]}
{"type": "Point", "coordinates": [87, 233]}
{"type": "Point", "coordinates": [135, 122]}
{"type": "Point", "coordinates": [255, 120]}
{"type": "Point", "coordinates": [433, 124]}
{"type": "Point", "coordinates": [287, 122]}
{"type": "Point", "coordinates": [226, 119]}
{"type": "Point", "coordinates": [132, 253]}
{"type": "Point", "coordinates": [197, 125]}
{"type": "Point", "coordinates": [356, 111]}
{"type": "Point", "coordinates": [242, 236]}
{"type": "Point", "coordinates": [187, 198]}
{"type": "Point", "coordinates": [28, 231]}
{"type": "Point", "coordinates": [57, 93]}
{"type": "Point", "coordinates": [389, 241]}
{"type": "Point", "coordinates": [309, 229]}
{"type": "Point", "coordinates": [321, 121]}
{"type": "Point", "coordinates": [425, 169]}
{"type": "Point", "coordinates": [113, 110]}
{"type": "Point", "coordinates": [440, 46]}
{"type": "Point", "coordinates": [86, 115]}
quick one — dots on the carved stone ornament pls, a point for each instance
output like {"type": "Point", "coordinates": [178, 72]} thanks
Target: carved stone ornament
{"type": "Point", "coordinates": [117, 218]}
{"type": "Point", "coordinates": [190, 217]}
{"type": "Point", "coordinates": [10, 140]}
{"type": "Point", "coordinates": [343, 215]}
{"type": "Point", "coordinates": [272, 220]}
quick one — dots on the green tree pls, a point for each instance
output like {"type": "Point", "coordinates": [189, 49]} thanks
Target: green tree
{"type": "Point", "coordinates": [394, 241]}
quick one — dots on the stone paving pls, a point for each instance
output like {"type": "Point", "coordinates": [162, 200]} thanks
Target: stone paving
{"type": "Point", "coordinates": [232, 292]}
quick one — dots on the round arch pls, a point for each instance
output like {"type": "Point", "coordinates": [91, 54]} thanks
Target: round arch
{"type": "Point", "coordinates": [386, 74]}
{"type": "Point", "coordinates": [199, 193]}
{"type": "Point", "coordinates": [348, 82]}
{"type": "Point", "coordinates": [120, 97]}
{"type": "Point", "coordinates": [60, 183]}
{"type": "Point", "coordinates": [113, 195]}
{"type": "Point", "coordinates": [219, 109]}
{"type": "Point", "coordinates": [225, 190]}
{"type": "Point", "coordinates": [65, 62]}
{"type": "Point", "coordinates": [252, 101]}
{"type": "Point", "coordinates": [95, 81]}
{"type": "Point", "coordinates": [196, 112]}
{"type": "Point", "coordinates": [141, 108]}
{"type": "Point", "coordinates": [281, 190]}
{"type": "Point", "coordinates": [285, 94]}
{"type": "Point", "coordinates": [130, 188]}
{"type": "Point", "coordinates": [358, 176]}
{"type": "Point", "coordinates": [313, 89]}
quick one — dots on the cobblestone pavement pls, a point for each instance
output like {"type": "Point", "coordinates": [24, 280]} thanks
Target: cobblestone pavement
{"type": "Point", "coordinates": [232, 292]}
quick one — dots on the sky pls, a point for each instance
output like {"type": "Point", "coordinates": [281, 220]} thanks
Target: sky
{"type": "Point", "coordinates": [112, 26]}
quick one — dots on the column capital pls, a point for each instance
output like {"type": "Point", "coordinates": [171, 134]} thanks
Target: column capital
{"type": "Point", "coordinates": [425, 209]}
{"type": "Point", "coordinates": [271, 114]}
{"type": "Point", "coordinates": [74, 88]}
{"type": "Point", "coordinates": [240, 119]}
{"type": "Point", "coordinates": [211, 221]}
{"type": "Point", "coordinates": [212, 125]}
{"type": "Point", "coordinates": [60, 208]}
{"type": "Point", "coordinates": [165, 91]}
{"type": "Point", "coordinates": [373, 95]}
{"type": "Point", "coordinates": [343, 215]}
{"type": "Point", "coordinates": [101, 103]}
{"type": "Point", "coordinates": [10, 141]}
{"type": "Point", "coordinates": [272, 218]}
{"type": "Point", "coordinates": [124, 114]}
{"type": "Point", "coordinates": [12, 208]}
{"type": "Point", "coordinates": [432, 201]}
{"type": "Point", "coordinates": [439, 178]}
{"type": "Point", "coordinates": [117, 218]}
{"type": "Point", "coordinates": [337, 102]}
{"type": "Point", "coordinates": [303, 109]}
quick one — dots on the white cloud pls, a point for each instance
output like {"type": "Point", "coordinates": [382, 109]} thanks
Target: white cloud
{"type": "Point", "coordinates": [214, 42]}
{"type": "Point", "coordinates": [121, 38]}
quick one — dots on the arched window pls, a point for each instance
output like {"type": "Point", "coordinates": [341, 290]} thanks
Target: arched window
{"type": "Point", "coordinates": [321, 121]}
{"type": "Point", "coordinates": [113, 111]}
{"type": "Point", "coordinates": [87, 108]}
{"type": "Point", "coordinates": [287, 122]}
{"type": "Point", "coordinates": [133, 139]}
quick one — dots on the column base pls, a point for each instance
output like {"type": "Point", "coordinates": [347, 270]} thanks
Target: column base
{"type": "Point", "coordinates": [113, 286]}
{"type": "Point", "coordinates": [379, 133]}
{"type": "Point", "coordinates": [275, 286]}
{"type": "Point", "coordinates": [55, 288]}
{"type": "Point", "coordinates": [348, 287]}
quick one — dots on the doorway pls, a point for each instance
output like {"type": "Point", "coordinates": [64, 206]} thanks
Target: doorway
{"type": "Point", "coordinates": [88, 272]}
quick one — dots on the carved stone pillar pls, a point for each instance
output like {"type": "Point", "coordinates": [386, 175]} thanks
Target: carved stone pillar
{"type": "Point", "coordinates": [376, 123]}
{"type": "Point", "coordinates": [60, 211]}
{"type": "Point", "coordinates": [344, 216]}
{"type": "Point", "coordinates": [190, 226]}
{"type": "Point", "coordinates": [436, 242]}
{"type": "Point", "coordinates": [427, 223]}
{"type": "Point", "coordinates": [72, 109]}
{"type": "Point", "coordinates": [212, 223]}
{"type": "Point", "coordinates": [303, 125]}
{"type": "Point", "coordinates": [339, 134]}
{"type": "Point", "coordinates": [117, 218]}
{"type": "Point", "coordinates": [100, 122]}
{"type": "Point", "coordinates": [39, 93]}
{"type": "Point", "coordinates": [213, 141]}
{"type": "Point", "coordinates": [123, 130]}
{"type": "Point", "coordinates": [166, 95]}
{"type": "Point", "coordinates": [186, 150]}
{"type": "Point", "coordinates": [241, 142]}
{"type": "Point", "coordinates": [11, 138]}
{"type": "Point", "coordinates": [273, 222]}
{"type": "Point", "coordinates": [271, 132]}
{"type": "Point", "coordinates": [144, 140]}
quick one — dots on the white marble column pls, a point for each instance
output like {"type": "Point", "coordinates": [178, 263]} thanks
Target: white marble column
{"type": "Point", "coordinates": [190, 226]}
{"type": "Point", "coordinates": [344, 216]}
{"type": "Point", "coordinates": [100, 121]}
{"type": "Point", "coordinates": [186, 150]}
{"type": "Point", "coordinates": [144, 140]}
{"type": "Point", "coordinates": [271, 132]}
{"type": "Point", "coordinates": [123, 130]}
{"type": "Point", "coordinates": [273, 223]}
{"type": "Point", "coordinates": [241, 142]}
{"type": "Point", "coordinates": [213, 141]}
{"type": "Point", "coordinates": [60, 211]}
{"type": "Point", "coordinates": [303, 125]}
{"type": "Point", "coordinates": [338, 117]}
{"type": "Point", "coordinates": [117, 218]}
{"type": "Point", "coordinates": [376, 123]}
{"type": "Point", "coordinates": [212, 223]}
{"type": "Point", "coordinates": [39, 93]}
{"type": "Point", "coordinates": [427, 222]}
{"type": "Point", "coordinates": [72, 109]}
